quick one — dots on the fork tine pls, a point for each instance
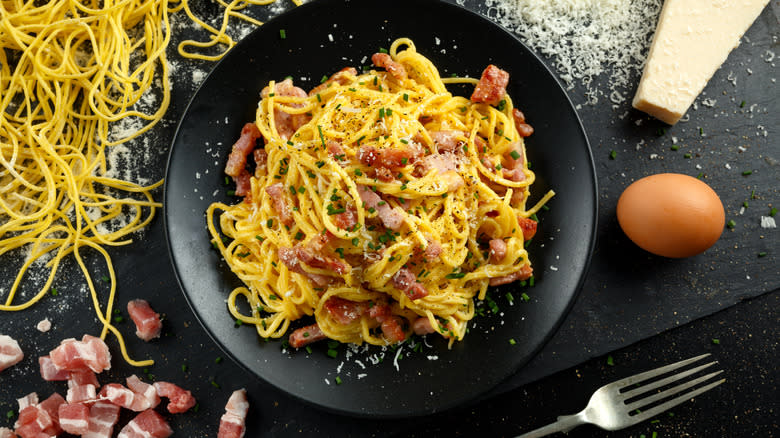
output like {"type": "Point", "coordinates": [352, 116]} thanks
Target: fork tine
{"type": "Point", "coordinates": [644, 415]}
{"type": "Point", "coordinates": [671, 391]}
{"type": "Point", "coordinates": [663, 382]}
{"type": "Point", "coordinates": [656, 372]}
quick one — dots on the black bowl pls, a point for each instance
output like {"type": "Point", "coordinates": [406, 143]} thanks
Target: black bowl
{"type": "Point", "coordinates": [320, 38]}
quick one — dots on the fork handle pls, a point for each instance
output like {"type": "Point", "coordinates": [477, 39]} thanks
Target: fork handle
{"type": "Point", "coordinates": [565, 423]}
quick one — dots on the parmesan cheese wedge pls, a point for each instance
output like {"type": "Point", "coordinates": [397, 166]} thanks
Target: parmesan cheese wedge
{"type": "Point", "coordinates": [692, 40]}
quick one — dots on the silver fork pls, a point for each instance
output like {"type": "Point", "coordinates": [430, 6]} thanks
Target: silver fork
{"type": "Point", "coordinates": [608, 409]}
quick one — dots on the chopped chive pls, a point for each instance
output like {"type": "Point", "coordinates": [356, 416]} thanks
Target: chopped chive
{"type": "Point", "coordinates": [525, 297]}
{"type": "Point", "coordinates": [338, 380]}
{"type": "Point", "coordinates": [716, 341]}
{"type": "Point", "coordinates": [118, 319]}
{"type": "Point", "coordinates": [612, 154]}
{"type": "Point", "coordinates": [333, 353]}
{"type": "Point", "coordinates": [238, 323]}
{"type": "Point", "coordinates": [745, 204]}
{"type": "Point", "coordinates": [512, 341]}
{"type": "Point", "coordinates": [355, 241]}
{"type": "Point", "coordinates": [299, 235]}
{"type": "Point", "coordinates": [747, 172]}
{"type": "Point", "coordinates": [215, 384]}
{"type": "Point", "coordinates": [323, 79]}
{"type": "Point", "coordinates": [218, 359]}
{"type": "Point", "coordinates": [269, 223]}
{"type": "Point", "coordinates": [282, 34]}
{"type": "Point", "coordinates": [308, 349]}
{"type": "Point", "coordinates": [515, 155]}
{"type": "Point", "coordinates": [455, 275]}
{"type": "Point", "coordinates": [773, 211]}
{"type": "Point", "coordinates": [319, 164]}
{"type": "Point", "coordinates": [687, 155]}
{"type": "Point", "coordinates": [762, 254]}
{"type": "Point", "coordinates": [231, 193]}
{"type": "Point", "coordinates": [675, 147]}
{"type": "Point", "coordinates": [105, 278]}
{"type": "Point", "coordinates": [10, 414]}
{"type": "Point", "coordinates": [742, 104]}
{"type": "Point", "coordinates": [184, 367]}
{"type": "Point", "coordinates": [406, 97]}
{"type": "Point", "coordinates": [731, 223]}
{"type": "Point", "coordinates": [700, 175]}
{"type": "Point", "coordinates": [610, 361]}
{"type": "Point", "coordinates": [227, 181]}
{"type": "Point", "coordinates": [358, 172]}
{"type": "Point", "coordinates": [382, 50]}
{"type": "Point", "coordinates": [322, 137]}
{"type": "Point", "coordinates": [510, 297]}
{"type": "Point", "coordinates": [54, 292]}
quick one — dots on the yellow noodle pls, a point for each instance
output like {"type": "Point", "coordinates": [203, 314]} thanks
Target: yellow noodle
{"type": "Point", "coordinates": [69, 70]}
{"type": "Point", "coordinates": [376, 109]}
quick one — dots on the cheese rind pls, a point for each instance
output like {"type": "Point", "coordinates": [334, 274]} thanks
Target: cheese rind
{"type": "Point", "coordinates": [693, 38]}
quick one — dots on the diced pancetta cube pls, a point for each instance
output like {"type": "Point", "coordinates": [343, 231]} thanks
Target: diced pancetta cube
{"type": "Point", "coordinates": [89, 353]}
{"type": "Point", "coordinates": [42, 419]}
{"type": "Point", "coordinates": [383, 60]}
{"type": "Point", "coordinates": [233, 422]}
{"type": "Point", "coordinates": [147, 424]}
{"type": "Point", "coordinates": [145, 390]}
{"type": "Point", "coordinates": [82, 377]}
{"type": "Point", "coordinates": [147, 322]}
{"type": "Point", "coordinates": [491, 87]}
{"type": "Point", "coordinates": [305, 336]}
{"type": "Point", "coordinates": [49, 372]}
{"type": "Point", "coordinates": [10, 352]}
{"type": "Point", "coordinates": [179, 399]}
{"type": "Point", "coordinates": [392, 218]}
{"type": "Point", "coordinates": [30, 399]}
{"type": "Point", "coordinates": [102, 418]}
{"type": "Point", "coordinates": [7, 433]}
{"type": "Point", "coordinates": [74, 418]}
{"type": "Point", "coordinates": [125, 397]}
{"type": "Point", "coordinates": [81, 393]}
{"type": "Point", "coordinates": [406, 282]}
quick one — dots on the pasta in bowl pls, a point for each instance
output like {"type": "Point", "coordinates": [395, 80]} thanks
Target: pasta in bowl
{"type": "Point", "coordinates": [378, 203]}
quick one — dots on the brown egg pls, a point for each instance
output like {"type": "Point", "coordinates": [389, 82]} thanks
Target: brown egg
{"type": "Point", "coordinates": [671, 215]}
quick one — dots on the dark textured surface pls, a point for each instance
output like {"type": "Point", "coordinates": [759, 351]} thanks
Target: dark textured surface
{"type": "Point", "coordinates": [629, 295]}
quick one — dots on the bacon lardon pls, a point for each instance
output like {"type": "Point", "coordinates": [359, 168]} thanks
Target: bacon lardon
{"type": "Point", "coordinates": [406, 282]}
{"type": "Point", "coordinates": [491, 87]}
{"type": "Point", "coordinates": [10, 352]}
{"type": "Point", "coordinates": [7, 433]}
{"type": "Point", "coordinates": [49, 372]}
{"type": "Point", "coordinates": [74, 418]}
{"type": "Point", "coordinates": [179, 399]}
{"type": "Point", "coordinates": [39, 419]}
{"type": "Point", "coordinates": [103, 416]}
{"type": "Point", "coordinates": [233, 422]}
{"type": "Point", "coordinates": [281, 203]}
{"type": "Point", "coordinates": [392, 218]}
{"type": "Point", "coordinates": [90, 352]}
{"type": "Point", "coordinates": [147, 424]}
{"type": "Point", "coordinates": [305, 336]}
{"type": "Point", "coordinates": [147, 322]}
{"type": "Point", "coordinates": [383, 60]}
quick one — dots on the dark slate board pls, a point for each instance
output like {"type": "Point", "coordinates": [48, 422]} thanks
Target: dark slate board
{"type": "Point", "coordinates": [628, 295]}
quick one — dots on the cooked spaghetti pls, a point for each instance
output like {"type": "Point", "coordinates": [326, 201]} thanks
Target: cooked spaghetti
{"type": "Point", "coordinates": [379, 203]}
{"type": "Point", "coordinates": [71, 71]}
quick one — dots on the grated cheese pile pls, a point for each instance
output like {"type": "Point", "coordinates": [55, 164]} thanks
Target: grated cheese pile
{"type": "Point", "coordinates": [585, 38]}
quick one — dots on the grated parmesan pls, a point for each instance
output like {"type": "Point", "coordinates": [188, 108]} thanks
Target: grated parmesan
{"type": "Point", "coordinates": [585, 38]}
